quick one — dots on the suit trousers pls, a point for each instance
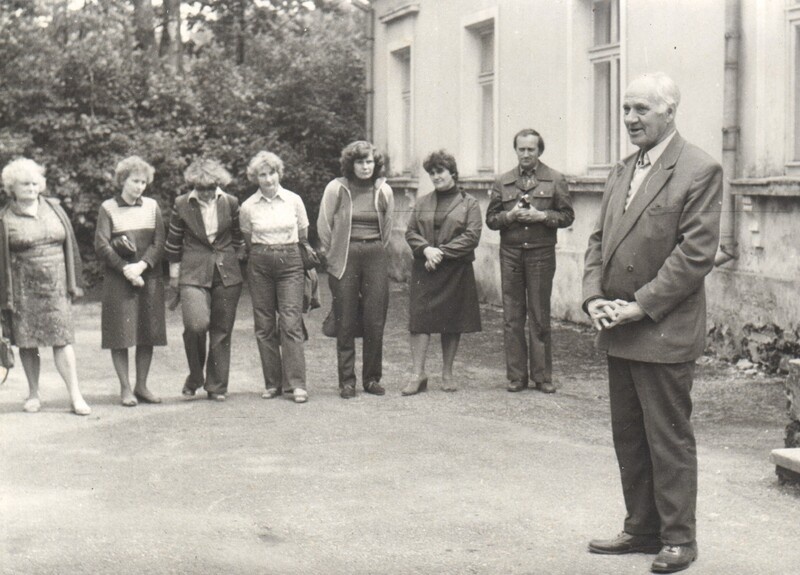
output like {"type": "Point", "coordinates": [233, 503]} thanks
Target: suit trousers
{"type": "Point", "coordinates": [651, 406]}
{"type": "Point", "coordinates": [209, 312]}
{"type": "Point", "coordinates": [276, 288]}
{"type": "Point", "coordinates": [366, 277]}
{"type": "Point", "coordinates": [527, 282]}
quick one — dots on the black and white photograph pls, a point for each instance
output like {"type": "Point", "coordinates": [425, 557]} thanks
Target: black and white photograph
{"type": "Point", "coordinates": [399, 287]}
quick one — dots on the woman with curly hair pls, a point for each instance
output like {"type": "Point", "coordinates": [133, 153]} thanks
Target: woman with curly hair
{"type": "Point", "coordinates": [443, 233]}
{"type": "Point", "coordinates": [40, 275]}
{"type": "Point", "coordinates": [354, 226]}
{"type": "Point", "coordinates": [274, 221]}
{"type": "Point", "coordinates": [129, 240]}
{"type": "Point", "coordinates": [204, 246]}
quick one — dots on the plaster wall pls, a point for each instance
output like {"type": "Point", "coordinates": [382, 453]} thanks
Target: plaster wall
{"type": "Point", "coordinates": [543, 80]}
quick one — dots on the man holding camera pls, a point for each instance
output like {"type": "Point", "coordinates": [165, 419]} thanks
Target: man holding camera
{"type": "Point", "coordinates": [528, 204]}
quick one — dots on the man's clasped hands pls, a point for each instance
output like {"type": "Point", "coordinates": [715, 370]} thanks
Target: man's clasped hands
{"type": "Point", "coordinates": [606, 313]}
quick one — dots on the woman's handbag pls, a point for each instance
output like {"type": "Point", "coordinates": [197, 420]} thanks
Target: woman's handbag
{"type": "Point", "coordinates": [6, 351]}
{"type": "Point", "coordinates": [329, 323]}
{"type": "Point", "coordinates": [6, 357]}
{"type": "Point", "coordinates": [309, 256]}
{"type": "Point", "coordinates": [124, 246]}
{"type": "Point", "coordinates": [126, 249]}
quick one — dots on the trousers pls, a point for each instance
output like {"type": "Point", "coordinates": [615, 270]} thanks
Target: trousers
{"type": "Point", "coordinates": [209, 314]}
{"type": "Point", "coordinates": [527, 282]}
{"type": "Point", "coordinates": [366, 277]}
{"type": "Point", "coordinates": [276, 281]}
{"type": "Point", "coordinates": [651, 407]}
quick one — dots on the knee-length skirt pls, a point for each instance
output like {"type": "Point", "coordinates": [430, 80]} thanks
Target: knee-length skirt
{"type": "Point", "coordinates": [132, 315]}
{"type": "Point", "coordinates": [445, 300]}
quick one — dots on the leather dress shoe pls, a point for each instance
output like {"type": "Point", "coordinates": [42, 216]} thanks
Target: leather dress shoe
{"type": "Point", "coordinates": [546, 387]}
{"type": "Point", "coordinates": [188, 393]}
{"type": "Point", "coordinates": [516, 386]}
{"type": "Point", "coordinates": [216, 396]}
{"type": "Point", "coordinates": [374, 388]}
{"type": "Point", "coordinates": [674, 558]}
{"type": "Point", "coordinates": [347, 392]}
{"type": "Point", "coordinates": [626, 543]}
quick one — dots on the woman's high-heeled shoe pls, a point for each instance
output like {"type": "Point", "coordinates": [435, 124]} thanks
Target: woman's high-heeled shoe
{"type": "Point", "coordinates": [416, 386]}
{"type": "Point", "coordinates": [449, 384]}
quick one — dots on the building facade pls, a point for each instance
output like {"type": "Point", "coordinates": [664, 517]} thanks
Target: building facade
{"type": "Point", "coordinates": [466, 75]}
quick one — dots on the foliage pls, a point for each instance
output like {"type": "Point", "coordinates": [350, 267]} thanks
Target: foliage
{"type": "Point", "coordinates": [77, 96]}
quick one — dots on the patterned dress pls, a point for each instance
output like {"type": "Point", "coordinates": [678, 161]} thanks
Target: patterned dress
{"type": "Point", "coordinates": [42, 313]}
{"type": "Point", "coordinates": [131, 315]}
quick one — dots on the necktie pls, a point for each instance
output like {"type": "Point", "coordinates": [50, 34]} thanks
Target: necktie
{"type": "Point", "coordinates": [528, 179]}
{"type": "Point", "coordinates": [639, 174]}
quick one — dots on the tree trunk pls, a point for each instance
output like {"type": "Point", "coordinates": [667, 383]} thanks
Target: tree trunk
{"type": "Point", "coordinates": [242, 24]}
{"type": "Point", "coordinates": [144, 20]}
{"type": "Point", "coordinates": [171, 45]}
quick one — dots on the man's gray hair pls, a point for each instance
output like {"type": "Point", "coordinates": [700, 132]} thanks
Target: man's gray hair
{"type": "Point", "coordinates": [666, 89]}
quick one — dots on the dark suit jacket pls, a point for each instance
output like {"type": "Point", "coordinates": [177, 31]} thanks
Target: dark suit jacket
{"type": "Point", "coordinates": [549, 193]}
{"type": "Point", "coordinates": [657, 252]}
{"type": "Point", "coordinates": [459, 233]}
{"type": "Point", "coordinates": [187, 242]}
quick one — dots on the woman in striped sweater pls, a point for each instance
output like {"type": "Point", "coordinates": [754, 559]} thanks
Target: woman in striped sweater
{"type": "Point", "coordinates": [129, 240]}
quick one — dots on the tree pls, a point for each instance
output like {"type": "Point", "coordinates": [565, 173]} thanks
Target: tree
{"type": "Point", "coordinates": [83, 88]}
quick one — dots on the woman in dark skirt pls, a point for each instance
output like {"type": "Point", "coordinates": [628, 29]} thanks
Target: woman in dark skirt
{"type": "Point", "coordinates": [443, 233]}
{"type": "Point", "coordinates": [129, 240]}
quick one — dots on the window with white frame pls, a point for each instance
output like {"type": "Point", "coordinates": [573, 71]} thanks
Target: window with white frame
{"type": "Point", "coordinates": [400, 108]}
{"type": "Point", "coordinates": [404, 57]}
{"type": "Point", "coordinates": [478, 95]}
{"type": "Point", "coordinates": [486, 90]}
{"type": "Point", "coordinates": [793, 14]}
{"type": "Point", "coordinates": [604, 57]}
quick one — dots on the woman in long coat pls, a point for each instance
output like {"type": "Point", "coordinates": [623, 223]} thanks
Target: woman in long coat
{"type": "Point", "coordinates": [129, 240]}
{"type": "Point", "coordinates": [443, 232]}
{"type": "Point", "coordinates": [40, 274]}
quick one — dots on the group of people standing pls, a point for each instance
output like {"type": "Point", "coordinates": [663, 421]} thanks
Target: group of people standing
{"type": "Point", "coordinates": [211, 238]}
{"type": "Point", "coordinates": [643, 286]}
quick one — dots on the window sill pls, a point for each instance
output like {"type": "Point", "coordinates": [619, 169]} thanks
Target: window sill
{"type": "Point", "coordinates": [409, 9]}
{"type": "Point", "coordinates": [403, 182]}
{"type": "Point", "coordinates": [591, 184]}
{"type": "Point", "coordinates": [779, 187]}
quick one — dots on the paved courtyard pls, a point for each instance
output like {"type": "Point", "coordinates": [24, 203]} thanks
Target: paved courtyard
{"type": "Point", "coordinates": [481, 481]}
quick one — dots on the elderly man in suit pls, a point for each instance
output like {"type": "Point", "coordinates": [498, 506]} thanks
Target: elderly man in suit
{"type": "Point", "coordinates": [528, 204]}
{"type": "Point", "coordinates": [204, 246]}
{"type": "Point", "coordinates": [643, 289]}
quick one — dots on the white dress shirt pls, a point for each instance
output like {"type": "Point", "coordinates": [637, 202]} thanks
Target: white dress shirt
{"type": "Point", "coordinates": [644, 162]}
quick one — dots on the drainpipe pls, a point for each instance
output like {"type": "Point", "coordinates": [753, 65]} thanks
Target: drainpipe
{"type": "Point", "coordinates": [728, 247]}
{"type": "Point", "coordinates": [369, 91]}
